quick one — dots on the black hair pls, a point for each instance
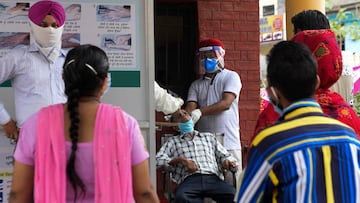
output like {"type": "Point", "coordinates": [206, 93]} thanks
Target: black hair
{"type": "Point", "coordinates": [310, 20]}
{"type": "Point", "coordinates": [84, 71]}
{"type": "Point", "coordinates": [292, 69]}
{"type": "Point", "coordinates": [175, 117]}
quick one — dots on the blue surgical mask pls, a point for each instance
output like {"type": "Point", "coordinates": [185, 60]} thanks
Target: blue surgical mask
{"type": "Point", "coordinates": [186, 127]}
{"type": "Point", "coordinates": [210, 64]}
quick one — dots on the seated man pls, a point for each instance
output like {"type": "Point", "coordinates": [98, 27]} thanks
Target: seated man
{"type": "Point", "coordinates": [194, 158]}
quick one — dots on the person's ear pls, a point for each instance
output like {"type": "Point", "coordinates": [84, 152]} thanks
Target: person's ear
{"type": "Point", "coordinates": [317, 82]}
{"type": "Point", "coordinates": [277, 93]}
{"type": "Point", "coordinates": [280, 99]}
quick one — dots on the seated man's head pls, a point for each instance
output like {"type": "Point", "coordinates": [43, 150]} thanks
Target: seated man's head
{"type": "Point", "coordinates": [291, 73]}
{"type": "Point", "coordinates": [183, 118]}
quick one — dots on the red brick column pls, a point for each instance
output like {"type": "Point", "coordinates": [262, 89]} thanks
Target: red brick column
{"type": "Point", "coordinates": [236, 23]}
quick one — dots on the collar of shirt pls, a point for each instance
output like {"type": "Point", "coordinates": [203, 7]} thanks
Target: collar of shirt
{"type": "Point", "coordinates": [307, 105]}
{"type": "Point", "coordinates": [187, 136]}
{"type": "Point", "coordinates": [34, 48]}
{"type": "Point", "coordinates": [211, 75]}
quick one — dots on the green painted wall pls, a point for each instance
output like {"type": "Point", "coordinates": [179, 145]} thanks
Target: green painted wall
{"type": "Point", "coordinates": [118, 79]}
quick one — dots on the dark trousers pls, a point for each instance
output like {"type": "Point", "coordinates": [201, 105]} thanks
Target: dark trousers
{"type": "Point", "coordinates": [195, 187]}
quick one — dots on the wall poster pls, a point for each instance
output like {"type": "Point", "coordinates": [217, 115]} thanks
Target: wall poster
{"type": "Point", "coordinates": [110, 25]}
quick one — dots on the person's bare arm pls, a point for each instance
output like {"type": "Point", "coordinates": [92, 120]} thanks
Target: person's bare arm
{"type": "Point", "coordinates": [11, 131]}
{"type": "Point", "coordinates": [142, 186]}
{"type": "Point", "coordinates": [190, 106]}
{"type": "Point", "coordinates": [22, 184]}
{"type": "Point", "coordinates": [220, 106]}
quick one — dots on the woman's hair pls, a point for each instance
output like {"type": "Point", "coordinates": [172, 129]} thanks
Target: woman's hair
{"type": "Point", "coordinates": [84, 71]}
{"type": "Point", "coordinates": [310, 20]}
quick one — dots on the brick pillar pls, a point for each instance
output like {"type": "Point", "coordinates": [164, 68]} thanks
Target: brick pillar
{"type": "Point", "coordinates": [236, 23]}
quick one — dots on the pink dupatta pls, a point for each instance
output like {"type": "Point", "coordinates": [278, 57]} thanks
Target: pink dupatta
{"type": "Point", "coordinates": [112, 157]}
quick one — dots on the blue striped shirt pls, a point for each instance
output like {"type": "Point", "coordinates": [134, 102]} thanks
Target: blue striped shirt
{"type": "Point", "coordinates": [305, 157]}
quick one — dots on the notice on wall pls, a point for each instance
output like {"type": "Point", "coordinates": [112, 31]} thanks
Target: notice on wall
{"type": "Point", "coordinates": [111, 26]}
{"type": "Point", "coordinates": [272, 28]}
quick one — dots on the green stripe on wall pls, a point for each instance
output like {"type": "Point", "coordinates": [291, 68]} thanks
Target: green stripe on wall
{"type": "Point", "coordinates": [6, 84]}
{"type": "Point", "coordinates": [118, 79]}
{"type": "Point", "coordinates": [125, 78]}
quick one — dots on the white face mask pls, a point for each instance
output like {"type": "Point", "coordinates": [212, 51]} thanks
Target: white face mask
{"type": "Point", "coordinates": [276, 104]}
{"type": "Point", "coordinates": [46, 36]}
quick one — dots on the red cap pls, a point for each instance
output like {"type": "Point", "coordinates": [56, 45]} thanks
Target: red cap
{"type": "Point", "coordinates": [210, 42]}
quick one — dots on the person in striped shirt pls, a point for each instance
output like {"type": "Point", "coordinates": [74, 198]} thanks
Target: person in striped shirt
{"type": "Point", "coordinates": [306, 156]}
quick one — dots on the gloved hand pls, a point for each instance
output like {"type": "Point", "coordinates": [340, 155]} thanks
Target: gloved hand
{"type": "Point", "coordinates": [195, 115]}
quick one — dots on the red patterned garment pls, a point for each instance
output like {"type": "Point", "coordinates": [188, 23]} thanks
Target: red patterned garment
{"type": "Point", "coordinates": [332, 105]}
{"type": "Point", "coordinates": [336, 107]}
{"type": "Point", "coordinates": [267, 117]}
{"type": "Point", "coordinates": [324, 47]}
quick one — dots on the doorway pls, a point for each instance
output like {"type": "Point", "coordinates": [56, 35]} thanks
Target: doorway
{"type": "Point", "coordinates": [176, 35]}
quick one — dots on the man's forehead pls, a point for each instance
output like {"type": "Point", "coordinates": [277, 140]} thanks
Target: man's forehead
{"type": "Point", "coordinates": [180, 114]}
{"type": "Point", "coordinates": [176, 116]}
{"type": "Point", "coordinates": [202, 53]}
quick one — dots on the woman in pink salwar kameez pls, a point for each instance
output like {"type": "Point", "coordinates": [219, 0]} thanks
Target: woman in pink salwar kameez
{"type": "Point", "coordinates": [84, 150]}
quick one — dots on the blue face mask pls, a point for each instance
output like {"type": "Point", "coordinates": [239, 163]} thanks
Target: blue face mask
{"type": "Point", "coordinates": [186, 127]}
{"type": "Point", "coordinates": [210, 64]}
